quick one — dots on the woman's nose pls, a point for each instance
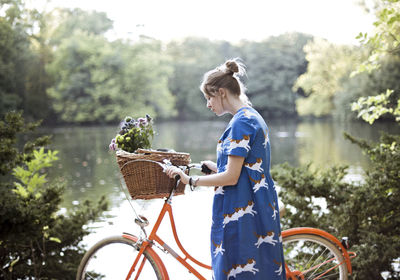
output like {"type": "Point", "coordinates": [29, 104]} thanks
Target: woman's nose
{"type": "Point", "coordinates": [208, 104]}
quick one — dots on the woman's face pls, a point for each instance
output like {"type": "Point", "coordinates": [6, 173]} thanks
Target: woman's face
{"type": "Point", "coordinates": [214, 103]}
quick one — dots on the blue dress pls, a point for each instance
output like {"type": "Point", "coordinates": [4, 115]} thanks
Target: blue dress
{"type": "Point", "coordinates": [246, 241]}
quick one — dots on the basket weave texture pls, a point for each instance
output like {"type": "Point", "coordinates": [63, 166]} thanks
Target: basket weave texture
{"type": "Point", "coordinates": [144, 176]}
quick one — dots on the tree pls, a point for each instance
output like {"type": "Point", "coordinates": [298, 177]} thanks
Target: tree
{"type": "Point", "coordinates": [190, 59]}
{"type": "Point", "coordinates": [14, 52]}
{"type": "Point", "coordinates": [96, 80]}
{"type": "Point", "coordinates": [384, 45]}
{"type": "Point", "coordinates": [64, 22]}
{"type": "Point", "coordinates": [36, 242]}
{"type": "Point", "coordinates": [23, 56]}
{"type": "Point", "coordinates": [358, 88]}
{"type": "Point", "coordinates": [329, 66]}
{"type": "Point", "coordinates": [273, 67]}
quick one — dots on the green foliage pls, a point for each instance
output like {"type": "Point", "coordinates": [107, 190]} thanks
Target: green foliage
{"type": "Point", "coordinates": [190, 59]}
{"type": "Point", "coordinates": [385, 39]}
{"type": "Point", "coordinates": [36, 242]}
{"type": "Point", "coordinates": [23, 54]}
{"type": "Point", "coordinates": [274, 65]}
{"type": "Point", "coordinates": [30, 177]}
{"type": "Point", "coordinates": [328, 65]}
{"type": "Point", "coordinates": [14, 52]}
{"type": "Point", "coordinates": [372, 108]}
{"type": "Point", "coordinates": [312, 197]}
{"type": "Point", "coordinates": [368, 84]}
{"type": "Point", "coordinates": [384, 45]}
{"type": "Point", "coordinates": [98, 81]}
{"type": "Point", "coordinates": [367, 212]}
{"type": "Point", "coordinates": [69, 21]}
{"type": "Point", "coordinates": [10, 156]}
{"type": "Point", "coordinates": [59, 66]}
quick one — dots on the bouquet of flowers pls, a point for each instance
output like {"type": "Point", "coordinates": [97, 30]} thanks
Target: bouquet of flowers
{"type": "Point", "coordinates": [133, 134]}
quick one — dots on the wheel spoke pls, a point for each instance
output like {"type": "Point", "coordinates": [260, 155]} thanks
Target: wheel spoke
{"type": "Point", "coordinates": [112, 258]}
{"type": "Point", "coordinates": [309, 256]}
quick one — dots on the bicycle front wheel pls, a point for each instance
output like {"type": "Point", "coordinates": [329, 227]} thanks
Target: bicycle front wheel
{"type": "Point", "coordinates": [309, 256]}
{"type": "Point", "coordinates": [112, 258]}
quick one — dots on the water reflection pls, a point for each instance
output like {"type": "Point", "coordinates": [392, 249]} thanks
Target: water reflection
{"type": "Point", "coordinates": [89, 170]}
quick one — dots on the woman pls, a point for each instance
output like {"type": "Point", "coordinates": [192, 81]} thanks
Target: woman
{"type": "Point", "coordinates": [246, 238]}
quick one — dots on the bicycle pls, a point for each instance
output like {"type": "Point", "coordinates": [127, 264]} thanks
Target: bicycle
{"type": "Point", "coordinates": [310, 253]}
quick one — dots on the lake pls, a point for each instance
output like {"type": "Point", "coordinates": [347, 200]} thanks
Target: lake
{"type": "Point", "coordinates": [89, 171]}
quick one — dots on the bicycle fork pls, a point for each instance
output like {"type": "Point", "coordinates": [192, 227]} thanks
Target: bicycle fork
{"type": "Point", "coordinates": [143, 247]}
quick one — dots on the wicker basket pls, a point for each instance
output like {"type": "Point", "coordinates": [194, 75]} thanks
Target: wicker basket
{"type": "Point", "coordinates": [144, 176]}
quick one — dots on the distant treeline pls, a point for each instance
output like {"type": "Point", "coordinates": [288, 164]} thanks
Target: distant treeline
{"type": "Point", "coordinates": [60, 66]}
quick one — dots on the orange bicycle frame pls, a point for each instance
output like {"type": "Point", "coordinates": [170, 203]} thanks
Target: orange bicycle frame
{"type": "Point", "coordinates": [146, 246]}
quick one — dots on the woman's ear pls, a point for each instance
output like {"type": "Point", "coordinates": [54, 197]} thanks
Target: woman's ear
{"type": "Point", "coordinates": [222, 92]}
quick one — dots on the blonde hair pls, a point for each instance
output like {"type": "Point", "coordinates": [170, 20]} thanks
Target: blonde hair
{"type": "Point", "coordinates": [226, 76]}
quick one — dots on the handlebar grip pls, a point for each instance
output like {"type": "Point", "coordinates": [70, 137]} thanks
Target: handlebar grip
{"type": "Point", "coordinates": [177, 177]}
{"type": "Point", "coordinates": [205, 169]}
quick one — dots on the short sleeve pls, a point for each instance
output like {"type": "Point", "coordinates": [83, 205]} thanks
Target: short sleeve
{"type": "Point", "coordinates": [240, 138]}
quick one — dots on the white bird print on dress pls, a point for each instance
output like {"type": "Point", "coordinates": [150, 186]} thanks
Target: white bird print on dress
{"type": "Point", "coordinates": [218, 249]}
{"type": "Point", "coordinates": [279, 270]}
{"type": "Point", "coordinates": [219, 190]}
{"type": "Point", "coordinates": [219, 146]}
{"type": "Point", "coordinates": [239, 212]}
{"type": "Point", "coordinates": [242, 143]}
{"type": "Point", "coordinates": [266, 138]}
{"type": "Point", "coordinates": [258, 184]}
{"type": "Point", "coordinates": [239, 268]}
{"type": "Point", "coordinates": [249, 114]}
{"type": "Point", "coordinates": [255, 166]}
{"type": "Point", "coordinates": [274, 211]}
{"type": "Point", "coordinates": [268, 238]}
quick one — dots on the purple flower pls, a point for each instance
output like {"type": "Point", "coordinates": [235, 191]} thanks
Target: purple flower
{"type": "Point", "coordinates": [112, 146]}
{"type": "Point", "coordinates": [142, 121]}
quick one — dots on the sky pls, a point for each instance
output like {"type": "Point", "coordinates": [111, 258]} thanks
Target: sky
{"type": "Point", "coordinates": [339, 21]}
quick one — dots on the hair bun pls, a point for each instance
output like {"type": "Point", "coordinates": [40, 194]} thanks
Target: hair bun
{"type": "Point", "coordinates": [231, 67]}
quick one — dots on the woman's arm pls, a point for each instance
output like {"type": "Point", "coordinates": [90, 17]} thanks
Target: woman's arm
{"type": "Point", "coordinates": [227, 178]}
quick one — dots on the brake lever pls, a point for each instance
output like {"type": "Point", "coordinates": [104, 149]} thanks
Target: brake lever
{"type": "Point", "coordinates": [203, 167]}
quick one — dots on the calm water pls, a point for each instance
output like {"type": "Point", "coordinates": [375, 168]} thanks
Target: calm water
{"type": "Point", "coordinates": [89, 170]}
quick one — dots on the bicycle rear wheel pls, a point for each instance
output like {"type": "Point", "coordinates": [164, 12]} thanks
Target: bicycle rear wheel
{"type": "Point", "coordinates": [112, 258]}
{"type": "Point", "coordinates": [309, 256]}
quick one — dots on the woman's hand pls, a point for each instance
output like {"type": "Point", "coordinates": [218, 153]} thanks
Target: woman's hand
{"type": "Point", "coordinates": [211, 165]}
{"type": "Point", "coordinates": [172, 171]}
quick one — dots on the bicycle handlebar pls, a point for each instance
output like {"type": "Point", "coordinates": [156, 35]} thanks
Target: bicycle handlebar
{"type": "Point", "coordinates": [204, 168]}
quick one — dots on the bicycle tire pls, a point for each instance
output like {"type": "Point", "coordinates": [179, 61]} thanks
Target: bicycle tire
{"type": "Point", "coordinates": [310, 256]}
{"type": "Point", "coordinates": [112, 257]}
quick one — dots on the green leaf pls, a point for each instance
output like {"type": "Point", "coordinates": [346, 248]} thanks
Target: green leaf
{"type": "Point", "coordinates": [20, 190]}
{"type": "Point", "coordinates": [14, 262]}
{"type": "Point", "coordinates": [55, 239]}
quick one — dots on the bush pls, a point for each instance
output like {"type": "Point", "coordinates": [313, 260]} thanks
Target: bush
{"type": "Point", "coordinates": [367, 212]}
{"type": "Point", "coordinates": [35, 241]}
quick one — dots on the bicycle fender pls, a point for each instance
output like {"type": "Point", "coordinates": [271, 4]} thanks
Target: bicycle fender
{"type": "Point", "coordinates": [151, 252]}
{"type": "Point", "coordinates": [324, 234]}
